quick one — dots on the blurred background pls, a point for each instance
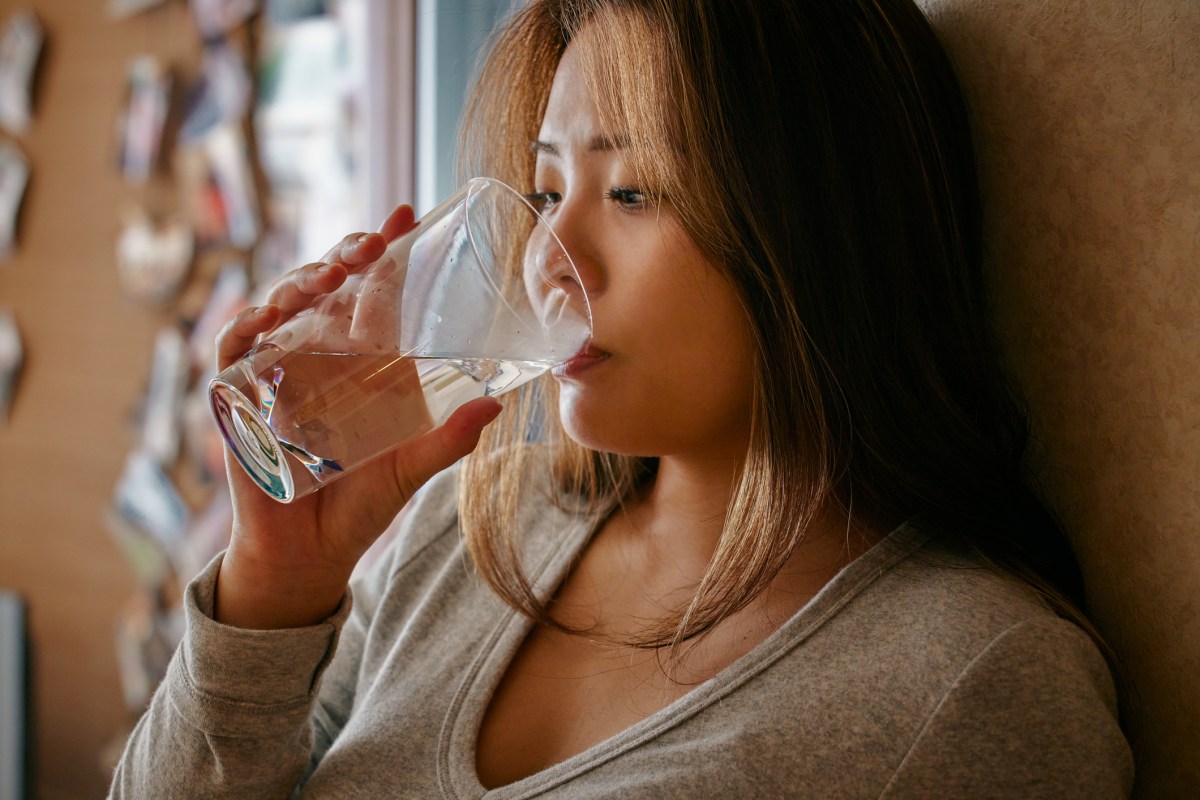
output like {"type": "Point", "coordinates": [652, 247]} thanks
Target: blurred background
{"type": "Point", "coordinates": [160, 162]}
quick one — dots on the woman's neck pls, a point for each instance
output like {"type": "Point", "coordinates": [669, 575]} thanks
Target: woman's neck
{"type": "Point", "coordinates": [680, 513]}
{"type": "Point", "coordinates": [673, 525]}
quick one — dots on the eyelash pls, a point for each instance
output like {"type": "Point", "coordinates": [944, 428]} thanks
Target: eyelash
{"type": "Point", "coordinates": [620, 194]}
{"type": "Point", "coordinates": [541, 200]}
{"type": "Point", "coordinates": [623, 194]}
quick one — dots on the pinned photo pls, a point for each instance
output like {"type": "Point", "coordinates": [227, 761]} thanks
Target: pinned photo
{"type": "Point", "coordinates": [148, 631]}
{"type": "Point", "coordinates": [229, 295]}
{"type": "Point", "coordinates": [215, 18]}
{"type": "Point", "coordinates": [119, 9]}
{"type": "Point", "coordinates": [14, 176]}
{"type": "Point", "coordinates": [11, 358]}
{"type": "Point", "coordinates": [153, 260]}
{"type": "Point", "coordinates": [20, 46]}
{"type": "Point", "coordinates": [200, 196]}
{"type": "Point", "coordinates": [161, 431]}
{"type": "Point", "coordinates": [147, 498]}
{"type": "Point", "coordinates": [220, 95]}
{"type": "Point", "coordinates": [229, 160]}
{"type": "Point", "coordinates": [285, 12]}
{"type": "Point", "coordinates": [218, 191]}
{"type": "Point", "coordinates": [145, 117]}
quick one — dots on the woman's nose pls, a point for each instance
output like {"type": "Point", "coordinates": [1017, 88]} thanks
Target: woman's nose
{"type": "Point", "coordinates": [577, 269]}
{"type": "Point", "coordinates": [552, 278]}
{"type": "Point", "coordinates": [563, 274]}
{"type": "Point", "coordinates": [563, 256]}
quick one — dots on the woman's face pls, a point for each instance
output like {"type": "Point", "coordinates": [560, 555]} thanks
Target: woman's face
{"type": "Point", "coordinates": [670, 366]}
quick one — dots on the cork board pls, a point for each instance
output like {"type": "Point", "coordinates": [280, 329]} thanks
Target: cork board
{"type": "Point", "coordinates": [88, 352]}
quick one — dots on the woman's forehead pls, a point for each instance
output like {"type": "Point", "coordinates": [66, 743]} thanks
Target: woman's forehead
{"type": "Point", "coordinates": [571, 119]}
{"type": "Point", "coordinates": [611, 94]}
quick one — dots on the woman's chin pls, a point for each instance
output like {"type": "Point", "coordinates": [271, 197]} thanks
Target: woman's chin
{"type": "Point", "coordinates": [596, 430]}
{"type": "Point", "coordinates": [611, 433]}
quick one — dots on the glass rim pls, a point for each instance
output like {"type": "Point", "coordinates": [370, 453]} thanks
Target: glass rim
{"type": "Point", "coordinates": [485, 179]}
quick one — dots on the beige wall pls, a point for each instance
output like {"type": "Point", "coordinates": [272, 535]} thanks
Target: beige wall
{"type": "Point", "coordinates": [88, 352]}
{"type": "Point", "coordinates": [1088, 122]}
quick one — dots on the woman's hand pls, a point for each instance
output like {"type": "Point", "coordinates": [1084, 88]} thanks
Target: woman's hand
{"type": "Point", "coordinates": [288, 565]}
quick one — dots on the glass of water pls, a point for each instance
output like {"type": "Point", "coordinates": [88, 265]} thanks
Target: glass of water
{"type": "Point", "coordinates": [478, 299]}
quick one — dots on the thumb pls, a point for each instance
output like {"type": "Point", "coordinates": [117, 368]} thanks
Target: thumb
{"type": "Point", "coordinates": [438, 449]}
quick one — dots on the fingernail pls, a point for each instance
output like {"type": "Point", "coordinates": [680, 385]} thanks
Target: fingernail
{"type": "Point", "coordinates": [324, 269]}
{"type": "Point", "coordinates": [363, 238]}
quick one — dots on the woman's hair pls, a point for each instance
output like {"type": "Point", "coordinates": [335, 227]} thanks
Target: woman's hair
{"type": "Point", "coordinates": [819, 154]}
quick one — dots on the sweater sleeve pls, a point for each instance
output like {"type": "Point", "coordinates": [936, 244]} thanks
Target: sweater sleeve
{"type": "Point", "coordinates": [245, 713]}
{"type": "Point", "coordinates": [231, 716]}
{"type": "Point", "coordinates": [1032, 716]}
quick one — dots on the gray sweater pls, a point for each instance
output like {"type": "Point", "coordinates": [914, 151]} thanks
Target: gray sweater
{"type": "Point", "coordinates": [915, 673]}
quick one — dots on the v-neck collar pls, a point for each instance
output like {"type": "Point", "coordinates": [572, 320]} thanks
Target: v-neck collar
{"type": "Point", "coordinates": [556, 539]}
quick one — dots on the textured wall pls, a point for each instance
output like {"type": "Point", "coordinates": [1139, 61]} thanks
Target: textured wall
{"type": "Point", "coordinates": [1088, 122]}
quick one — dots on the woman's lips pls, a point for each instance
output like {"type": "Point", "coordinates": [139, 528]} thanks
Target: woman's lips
{"type": "Point", "coordinates": [588, 357]}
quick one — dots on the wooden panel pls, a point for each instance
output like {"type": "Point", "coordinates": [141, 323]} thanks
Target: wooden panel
{"type": "Point", "coordinates": [87, 357]}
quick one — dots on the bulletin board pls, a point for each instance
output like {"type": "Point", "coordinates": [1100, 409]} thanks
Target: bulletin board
{"type": "Point", "coordinates": [128, 253]}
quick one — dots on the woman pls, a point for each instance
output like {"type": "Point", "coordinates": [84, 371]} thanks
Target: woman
{"type": "Point", "coordinates": [774, 541]}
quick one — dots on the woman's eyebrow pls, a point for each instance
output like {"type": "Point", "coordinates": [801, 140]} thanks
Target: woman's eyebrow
{"type": "Point", "coordinates": [605, 143]}
{"type": "Point", "coordinates": [600, 143]}
{"type": "Point", "coordinates": [545, 148]}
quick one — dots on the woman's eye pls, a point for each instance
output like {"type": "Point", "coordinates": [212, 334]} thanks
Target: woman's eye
{"type": "Point", "coordinates": [543, 201]}
{"type": "Point", "coordinates": [627, 198]}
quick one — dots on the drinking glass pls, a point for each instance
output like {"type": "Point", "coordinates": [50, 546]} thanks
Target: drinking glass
{"type": "Point", "coordinates": [478, 299]}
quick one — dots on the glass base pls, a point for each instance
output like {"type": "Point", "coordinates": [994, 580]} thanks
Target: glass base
{"type": "Point", "coordinates": [253, 443]}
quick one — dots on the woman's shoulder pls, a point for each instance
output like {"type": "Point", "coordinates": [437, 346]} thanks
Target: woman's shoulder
{"type": "Point", "coordinates": [966, 663]}
{"type": "Point", "coordinates": [952, 585]}
{"type": "Point", "coordinates": [1003, 671]}
{"type": "Point", "coordinates": [942, 606]}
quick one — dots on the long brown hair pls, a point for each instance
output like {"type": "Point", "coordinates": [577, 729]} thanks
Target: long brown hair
{"type": "Point", "coordinates": [819, 153]}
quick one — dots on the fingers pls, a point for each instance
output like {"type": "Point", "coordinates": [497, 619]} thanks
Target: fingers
{"type": "Point", "coordinates": [440, 448]}
{"type": "Point", "coordinates": [362, 248]}
{"type": "Point", "coordinates": [376, 317]}
{"type": "Point", "coordinates": [356, 250]}
{"type": "Point", "coordinates": [398, 223]}
{"type": "Point", "coordinates": [296, 290]}
{"type": "Point", "coordinates": [239, 333]}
